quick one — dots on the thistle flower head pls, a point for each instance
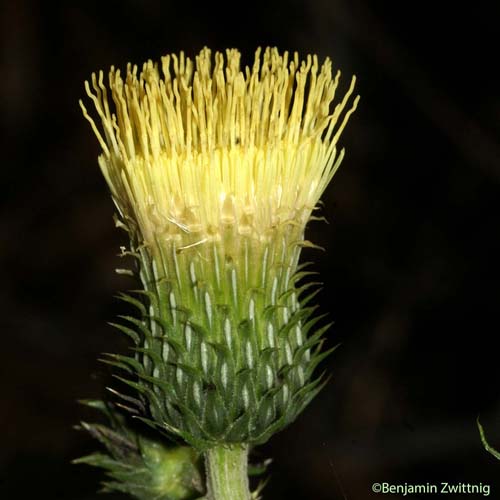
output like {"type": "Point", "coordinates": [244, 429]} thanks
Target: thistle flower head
{"type": "Point", "coordinates": [194, 146]}
{"type": "Point", "coordinates": [215, 170]}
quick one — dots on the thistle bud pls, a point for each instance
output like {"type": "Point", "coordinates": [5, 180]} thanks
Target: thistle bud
{"type": "Point", "coordinates": [140, 466]}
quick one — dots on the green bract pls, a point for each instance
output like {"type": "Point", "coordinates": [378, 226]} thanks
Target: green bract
{"type": "Point", "coordinates": [225, 349]}
{"type": "Point", "coordinates": [140, 466]}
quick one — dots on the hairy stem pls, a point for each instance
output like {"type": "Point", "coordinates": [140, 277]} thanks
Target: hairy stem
{"type": "Point", "coordinates": [227, 473]}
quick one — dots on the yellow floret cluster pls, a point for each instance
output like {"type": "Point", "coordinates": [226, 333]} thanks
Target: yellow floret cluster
{"type": "Point", "coordinates": [189, 147]}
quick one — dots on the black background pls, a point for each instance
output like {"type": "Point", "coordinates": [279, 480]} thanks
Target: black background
{"type": "Point", "coordinates": [411, 272]}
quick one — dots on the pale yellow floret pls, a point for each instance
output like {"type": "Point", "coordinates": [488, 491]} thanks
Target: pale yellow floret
{"type": "Point", "coordinates": [189, 147]}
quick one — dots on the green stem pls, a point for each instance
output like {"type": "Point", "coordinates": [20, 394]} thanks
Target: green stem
{"type": "Point", "coordinates": [227, 473]}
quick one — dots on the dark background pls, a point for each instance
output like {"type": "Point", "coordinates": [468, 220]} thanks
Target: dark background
{"type": "Point", "coordinates": [411, 270]}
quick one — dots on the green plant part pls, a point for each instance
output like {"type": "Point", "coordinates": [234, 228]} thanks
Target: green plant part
{"type": "Point", "coordinates": [486, 445]}
{"type": "Point", "coordinates": [144, 468]}
{"type": "Point", "coordinates": [235, 363]}
{"type": "Point", "coordinates": [215, 172]}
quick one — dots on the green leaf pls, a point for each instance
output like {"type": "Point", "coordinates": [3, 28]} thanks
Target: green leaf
{"type": "Point", "coordinates": [486, 445]}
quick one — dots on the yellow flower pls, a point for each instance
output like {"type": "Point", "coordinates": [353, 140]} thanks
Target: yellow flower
{"type": "Point", "coordinates": [215, 171]}
{"type": "Point", "coordinates": [192, 147]}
